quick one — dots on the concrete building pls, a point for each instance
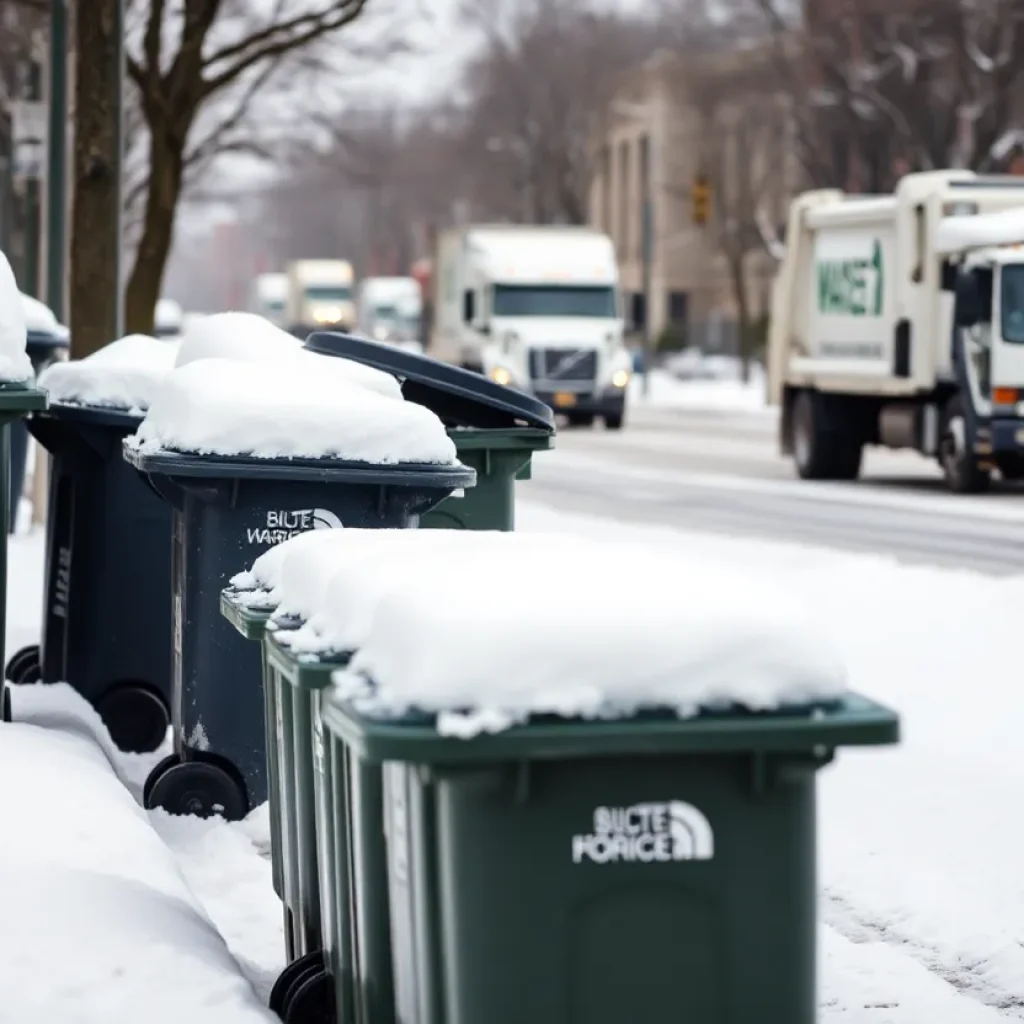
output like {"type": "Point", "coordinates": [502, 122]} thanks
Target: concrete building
{"type": "Point", "coordinates": [676, 124]}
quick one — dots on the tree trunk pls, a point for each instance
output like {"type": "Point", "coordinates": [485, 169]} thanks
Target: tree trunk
{"type": "Point", "coordinates": [95, 219]}
{"type": "Point", "coordinates": [738, 268]}
{"type": "Point", "coordinates": [146, 281]}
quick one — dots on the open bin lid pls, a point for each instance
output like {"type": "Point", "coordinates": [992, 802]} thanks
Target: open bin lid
{"type": "Point", "coordinates": [460, 398]}
{"type": "Point", "coordinates": [39, 341]}
{"type": "Point", "coordinates": [95, 415]}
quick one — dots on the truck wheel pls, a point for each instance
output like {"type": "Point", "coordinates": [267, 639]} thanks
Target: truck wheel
{"type": "Point", "coordinates": [819, 453]}
{"type": "Point", "coordinates": [614, 420]}
{"type": "Point", "coordinates": [960, 466]}
{"type": "Point", "coordinates": [580, 419]}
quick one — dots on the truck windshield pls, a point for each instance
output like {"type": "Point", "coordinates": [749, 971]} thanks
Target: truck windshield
{"type": "Point", "coordinates": [553, 300]}
{"type": "Point", "coordinates": [328, 292]}
{"type": "Point", "coordinates": [275, 305]}
{"type": "Point", "coordinates": [1011, 303]}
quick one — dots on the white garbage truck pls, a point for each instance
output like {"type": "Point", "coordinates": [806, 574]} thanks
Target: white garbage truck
{"type": "Point", "coordinates": [898, 321]}
{"type": "Point", "coordinates": [536, 308]}
{"type": "Point", "coordinates": [268, 296]}
{"type": "Point", "coordinates": [320, 296]}
{"type": "Point", "coordinates": [390, 309]}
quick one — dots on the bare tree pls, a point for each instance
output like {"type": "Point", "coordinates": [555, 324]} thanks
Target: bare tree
{"type": "Point", "coordinates": [200, 66]}
{"type": "Point", "coordinates": [881, 86]}
{"type": "Point", "coordinates": [744, 132]}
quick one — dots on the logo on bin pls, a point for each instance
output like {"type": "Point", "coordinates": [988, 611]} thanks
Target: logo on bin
{"type": "Point", "coordinates": [284, 523]}
{"type": "Point", "coordinates": [647, 833]}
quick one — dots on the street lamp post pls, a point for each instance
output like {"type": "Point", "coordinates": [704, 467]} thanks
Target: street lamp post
{"type": "Point", "coordinates": [56, 161]}
{"type": "Point", "coordinates": [647, 259]}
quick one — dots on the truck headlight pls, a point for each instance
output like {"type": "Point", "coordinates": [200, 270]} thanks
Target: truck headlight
{"type": "Point", "coordinates": [620, 378]}
{"type": "Point", "coordinates": [380, 333]}
{"type": "Point", "coordinates": [501, 376]}
{"type": "Point", "coordinates": [327, 314]}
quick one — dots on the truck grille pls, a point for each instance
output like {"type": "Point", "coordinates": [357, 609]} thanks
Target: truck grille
{"type": "Point", "coordinates": [563, 366]}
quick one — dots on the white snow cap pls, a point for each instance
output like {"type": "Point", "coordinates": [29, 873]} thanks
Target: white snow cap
{"type": "Point", "coordinates": [486, 641]}
{"type": "Point", "coordinates": [290, 408]}
{"type": "Point", "coordinates": [122, 375]}
{"type": "Point", "coordinates": [39, 317]}
{"type": "Point", "coordinates": [15, 364]}
{"type": "Point", "coordinates": [251, 338]}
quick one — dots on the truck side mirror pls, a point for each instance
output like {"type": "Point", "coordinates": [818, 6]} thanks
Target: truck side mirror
{"type": "Point", "coordinates": [950, 273]}
{"type": "Point", "coordinates": [968, 300]}
{"type": "Point", "coordinates": [468, 306]}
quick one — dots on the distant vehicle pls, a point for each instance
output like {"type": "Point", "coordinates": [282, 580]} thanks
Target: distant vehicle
{"type": "Point", "coordinates": [537, 308]}
{"type": "Point", "coordinates": [390, 309]}
{"type": "Point", "coordinates": [268, 296]}
{"type": "Point", "coordinates": [168, 318]}
{"type": "Point", "coordinates": [319, 296]}
{"type": "Point", "coordinates": [899, 321]}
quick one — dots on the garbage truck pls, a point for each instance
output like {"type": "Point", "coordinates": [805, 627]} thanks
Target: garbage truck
{"type": "Point", "coordinates": [320, 296]}
{"type": "Point", "coordinates": [537, 308]}
{"type": "Point", "coordinates": [898, 320]}
{"type": "Point", "coordinates": [390, 309]}
{"type": "Point", "coordinates": [268, 294]}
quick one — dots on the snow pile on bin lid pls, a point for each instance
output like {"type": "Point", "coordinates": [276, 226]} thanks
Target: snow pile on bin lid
{"type": "Point", "coordinates": [15, 364]}
{"type": "Point", "coordinates": [39, 317]}
{"type": "Point", "coordinates": [250, 338]}
{"type": "Point", "coordinates": [287, 408]}
{"type": "Point", "coordinates": [122, 375]}
{"type": "Point", "coordinates": [293, 578]}
{"type": "Point", "coordinates": [488, 639]}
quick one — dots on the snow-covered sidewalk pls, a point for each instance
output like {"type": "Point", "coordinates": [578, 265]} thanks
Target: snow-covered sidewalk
{"type": "Point", "coordinates": [922, 903]}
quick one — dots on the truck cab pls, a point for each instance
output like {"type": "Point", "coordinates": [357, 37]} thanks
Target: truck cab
{"type": "Point", "coordinates": [320, 296]}
{"type": "Point", "coordinates": [538, 308]}
{"type": "Point", "coordinates": [268, 296]}
{"type": "Point", "coordinates": [391, 309]}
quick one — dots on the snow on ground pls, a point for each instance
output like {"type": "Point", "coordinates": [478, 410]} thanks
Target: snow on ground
{"type": "Point", "coordinates": [922, 899]}
{"type": "Point", "coordinates": [721, 394]}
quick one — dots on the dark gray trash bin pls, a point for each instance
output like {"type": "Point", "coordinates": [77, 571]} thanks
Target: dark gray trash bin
{"type": "Point", "coordinates": [226, 512]}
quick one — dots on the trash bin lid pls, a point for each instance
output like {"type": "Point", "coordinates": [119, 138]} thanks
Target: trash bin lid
{"type": "Point", "coordinates": [459, 397]}
{"type": "Point", "coordinates": [95, 415]}
{"type": "Point", "coordinates": [45, 340]}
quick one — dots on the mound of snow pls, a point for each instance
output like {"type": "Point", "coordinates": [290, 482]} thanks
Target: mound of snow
{"type": "Point", "coordinates": [280, 409]}
{"type": "Point", "coordinates": [39, 317]}
{"type": "Point", "coordinates": [250, 338]}
{"type": "Point", "coordinates": [122, 375]}
{"type": "Point", "coordinates": [99, 925]}
{"type": "Point", "coordinates": [15, 364]}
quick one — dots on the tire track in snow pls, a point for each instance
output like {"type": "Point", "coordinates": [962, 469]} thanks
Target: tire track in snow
{"type": "Point", "coordinates": [969, 977]}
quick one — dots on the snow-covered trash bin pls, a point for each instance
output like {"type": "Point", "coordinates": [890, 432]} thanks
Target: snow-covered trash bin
{"type": "Point", "coordinates": [99, 924]}
{"type": "Point", "coordinates": [496, 429]}
{"type": "Point", "coordinates": [595, 810]}
{"type": "Point", "coordinates": [18, 397]}
{"type": "Point", "coordinates": [108, 545]}
{"type": "Point", "coordinates": [248, 453]}
{"type": "Point", "coordinates": [278, 593]}
{"type": "Point", "coordinates": [47, 341]}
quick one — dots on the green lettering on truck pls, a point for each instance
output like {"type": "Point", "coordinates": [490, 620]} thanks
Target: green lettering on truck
{"type": "Point", "coordinates": [852, 287]}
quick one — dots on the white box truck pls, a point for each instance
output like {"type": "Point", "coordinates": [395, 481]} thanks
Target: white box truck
{"type": "Point", "coordinates": [320, 296]}
{"type": "Point", "coordinates": [390, 309]}
{"type": "Point", "coordinates": [536, 308]}
{"type": "Point", "coordinates": [899, 321]}
{"type": "Point", "coordinates": [268, 296]}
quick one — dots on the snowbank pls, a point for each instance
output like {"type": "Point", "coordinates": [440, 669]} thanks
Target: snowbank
{"type": "Point", "coordinates": [277, 409]}
{"type": "Point", "coordinates": [99, 926]}
{"type": "Point", "coordinates": [714, 393]}
{"type": "Point", "coordinates": [250, 338]}
{"type": "Point", "coordinates": [14, 362]}
{"type": "Point", "coordinates": [486, 641]}
{"type": "Point", "coordinates": [122, 375]}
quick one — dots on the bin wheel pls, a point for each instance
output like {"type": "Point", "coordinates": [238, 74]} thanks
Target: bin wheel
{"type": "Point", "coordinates": [135, 716]}
{"type": "Point", "coordinates": [293, 975]}
{"type": "Point", "coordinates": [5, 702]}
{"type": "Point", "coordinates": [25, 666]}
{"type": "Point", "coordinates": [311, 1001]}
{"type": "Point", "coordinates": [200, 787]}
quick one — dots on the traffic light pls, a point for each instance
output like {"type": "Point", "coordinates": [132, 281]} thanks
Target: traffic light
{"type": "Point", "coordinates": [700, 199]}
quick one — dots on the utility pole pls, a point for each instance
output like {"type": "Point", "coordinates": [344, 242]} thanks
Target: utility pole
{"type": "Point", "coordinates": [56, 159]}
{"type": "Point", "coordinates": [97, 304]}
{"type": "Point", "coordinates": [28, 131]}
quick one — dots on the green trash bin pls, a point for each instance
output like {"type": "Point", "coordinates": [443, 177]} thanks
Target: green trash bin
{"type": "Point", "coordinates": [562, 871]}
{"type": "Point", "coordinates": [496, 429]}
{"type": "Point", "coordinates": [16, 400]}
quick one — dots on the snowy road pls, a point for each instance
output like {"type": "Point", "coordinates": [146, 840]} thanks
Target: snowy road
{"type": "Point", "coordinates": [719, 470]}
